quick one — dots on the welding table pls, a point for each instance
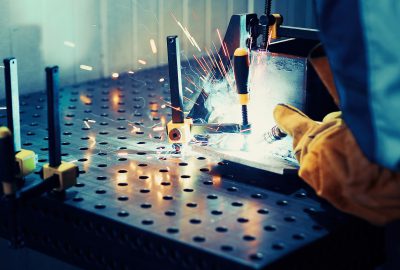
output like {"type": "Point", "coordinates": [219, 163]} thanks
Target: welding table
{"type": "Point", "coordinates": [138, 206]}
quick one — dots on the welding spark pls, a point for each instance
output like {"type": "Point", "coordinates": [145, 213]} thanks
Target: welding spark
{"type": "Point", "coordinates": [222, 44]}
{"type": "Point", "coordinates": [188, 99]}
{"type": "Point", "coordinates": [142, 62]}
{"type": "Point", "coordinates": [245, 130]}
{"type": "Point", "coordinates": [3, 108]}
{"type": "Point", "coordinates": [131, 72]}
{"type": "Point", "coordinates": [135, 129]}
{"type": "Point", "coordinates": [115, 75]}
{"type": "Point", "coordinates": [163, 106]}
{"type": "Point", "coordinates": [69, 44]}
{"type": "Point", "coordinates": [161, 80]}
{"type": "Point", "coordinates": [91, 121]}
{"type": "Point", "coordinates": [86, 67]}
{"type": "Point", "coordinates": [86, 124]}
{"type": "Point", "coordinates": [187, 88]}
{"type": "Point", "coordinates": [153, 46]}
{"type": "Point", "coordinates": [187, 34]}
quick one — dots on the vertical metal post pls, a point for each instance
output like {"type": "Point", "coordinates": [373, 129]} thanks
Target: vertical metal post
{"type": "Point", "coordinates": [12, 100]}
{"type": "Point", "coordinates": [53, 116]}
{"type": "Point", "coordinates": [175, 79]}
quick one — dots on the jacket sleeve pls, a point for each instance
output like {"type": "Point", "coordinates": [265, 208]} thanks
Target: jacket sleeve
{"type": "Point", "coordinates": [362, 41]}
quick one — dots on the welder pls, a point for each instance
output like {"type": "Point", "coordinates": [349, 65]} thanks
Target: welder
{"type": "Point", "coordinates": [352, 157]}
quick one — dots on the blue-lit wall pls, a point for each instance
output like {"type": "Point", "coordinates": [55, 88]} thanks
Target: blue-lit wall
{"type": "Point", "coordinates": [112, 35]}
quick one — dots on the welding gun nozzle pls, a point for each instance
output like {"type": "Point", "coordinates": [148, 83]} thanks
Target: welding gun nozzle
{"type": "Point", "coordinates": [274, 134]}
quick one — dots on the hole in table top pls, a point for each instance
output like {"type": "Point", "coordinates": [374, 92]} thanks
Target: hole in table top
{"type": "Point", "coordinates": [221, 229]}
{"type": "Point", "coordinates": [237, 204]}
{"type": "Point", "coordinates": [263, 211]}
{"type": "Point", "coordinates": [226, 248]}
{"type": "Point", "coordinates": [172, 230]}
{"type": "Point", "coordinates": [122, 184]}
{"type": "Point", "coordinates": [99, 206]}
{"type": "Point", "coordinates": [256, 256]}
{"type": "Point", "coordinates": [170, 213]}
{"type": "Point", "coordinates": [199, 239]}
{"type": "Point", "coordinates": [249, 238]}
{"type": "Point", "coordinates": [278, 246]}
{"type": "Point", "coordinates": [147, 222]}
{"type": "Point", "coordinates": [191, 204]}
{"type": "Point", "coordinates": [242, 220]}
{"type": "Point", "coordinates": [298, 236]}
{"type": "Point", "coordinates": [165, 183]}
{"type": "Point", "coordinates": [270, 228]}
{"type": "Point", "coordinates": [144, 190]}
{"type": "Point", "coordinates": [188, 190]}
{"type": "Point", "coordinates": [123, 213]}
{"type": "Point", "coordinates": [145, 205]}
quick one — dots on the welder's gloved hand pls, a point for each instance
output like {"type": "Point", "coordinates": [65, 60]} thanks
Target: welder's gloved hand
{"type": "Point", "coordinates": [333, 164]}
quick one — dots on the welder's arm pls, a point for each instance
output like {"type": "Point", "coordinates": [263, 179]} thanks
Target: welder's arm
{"type": "Point", "coordinates": [333, 164]}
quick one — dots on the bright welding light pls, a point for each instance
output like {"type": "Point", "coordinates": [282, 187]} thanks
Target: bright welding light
{"type": "Point", "coordinates": [86, 67]}
{"type": "Point", "coordinates": [69, 44]}
{"type": "Point", "coordinates": [142, 62]}
{"type": "Point", "coordinates": [160, 128]}
{"type": "Point", "coordinates": [161, 80]}
{"type": "Point", "coordinates": [153, 46]}
{"type": "Point", "coordinates": [131, 72]}
{"type": "Point", "coordinates": [3, 108]}
{"type": "Point", "coordinates": [115, 75]}
{"type": "Point", "coordinates": [86, 124]}
{"type": "Point", "coordinates": [91, 121]}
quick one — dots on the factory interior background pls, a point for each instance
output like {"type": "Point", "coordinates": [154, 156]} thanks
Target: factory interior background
{"type": "Point", "coordinates": [114, 35]}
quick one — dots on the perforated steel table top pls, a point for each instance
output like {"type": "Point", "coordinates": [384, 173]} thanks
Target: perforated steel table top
{"type": "Point", "coordinates": [112, 129]}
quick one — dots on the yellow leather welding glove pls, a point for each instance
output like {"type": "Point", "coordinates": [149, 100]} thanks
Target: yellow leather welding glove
{"type": "Point", "coordinates": [332, 163]}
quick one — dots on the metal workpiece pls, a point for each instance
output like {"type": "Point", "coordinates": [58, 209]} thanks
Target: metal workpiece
{"type": "Point", "coordinates": [53, 116]}
{"type": "Point", "coordinates": [138, 205]}
{"type": "Point", "coordinates": [12, 100]}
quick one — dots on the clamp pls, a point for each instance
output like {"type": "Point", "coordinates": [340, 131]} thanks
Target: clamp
{"type": "Point", "coordinates": [26, 159]}
{"type": "Point", "coordinates": [65, 172]}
